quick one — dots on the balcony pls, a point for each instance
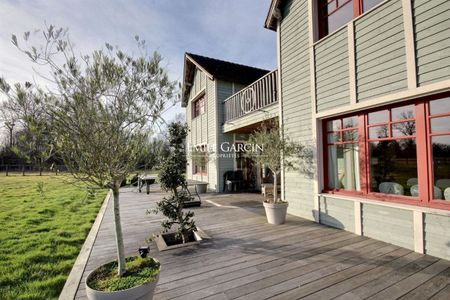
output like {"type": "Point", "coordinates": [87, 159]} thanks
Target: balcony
{"type": "Point", "coordinates": [257, 97]}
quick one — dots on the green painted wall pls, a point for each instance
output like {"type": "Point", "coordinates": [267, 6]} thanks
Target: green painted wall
{"type": "Point", "coordinates": [337, 213]}
{"type": "Point", "coordinates": [432, 32]}
{"type": "Point", "coordinates": [224, 90]}
{"type": "Point", "coordinates": [295, 70]}
{"type": "Point", "coordinates": [437, 235]}
{"type": "Point", "coordinates": [203, 128]}
{"type": "Point", "coordinates": [380, 58]}
{"type": "Point", "coordinates": [388, 224]}
{"type": "Point", "coordinates": [332, 71]}
{"type": "Point", "coordinates": [380, 52]}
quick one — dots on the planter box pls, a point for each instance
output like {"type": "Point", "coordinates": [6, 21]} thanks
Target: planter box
{"type": "Point", "coordinates": [163, 241]}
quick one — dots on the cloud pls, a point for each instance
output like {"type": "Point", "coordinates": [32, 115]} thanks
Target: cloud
{"type": "Point", "coordinates": [229, 30]}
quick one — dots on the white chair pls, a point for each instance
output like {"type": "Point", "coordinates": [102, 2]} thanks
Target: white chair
{"type": "Point", "coordinates": [447, 194]}
{"type": "Point", "coordinates": [391, 188]}
{"type": "Point", "coordinates": [443, 183]}
{"type": "Point", "coordinates": [437, 192]}
{"type": "Point", "coordinates": [414, 190]}
{"type": "Point", "coordinates": [412, 181]}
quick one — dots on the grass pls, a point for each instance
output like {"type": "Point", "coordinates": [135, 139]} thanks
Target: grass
{"type": "Point", "coordinates": [139, 271]}
{"type": "Point", "coordinates": [44, 221]}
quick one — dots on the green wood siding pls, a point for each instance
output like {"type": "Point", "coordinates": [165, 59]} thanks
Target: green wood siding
{"type": "Point", "coordinates": [202, 129]}
{"type": "Point", "coordinates": [337, 213]}
{"type": "Point", "coordinates": [432, 32]}
{"type": "Point", "coordinates": [437, 235]}
{"type": "Point", "coordinates": [211, 109]}
{"type": "Point", "coordinates": [224, 90]}
{"type": "Point", "coordinates": [388, 224]}
{"type": "Point", "coordinates": [332, 71]}
{"type": "Point", "coordinates": [380, 52]}
{"type": "Point", "coordinates": [297, 108]}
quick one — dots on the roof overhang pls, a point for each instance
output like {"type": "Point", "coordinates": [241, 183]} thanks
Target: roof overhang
{"type": "Point", "coordinates": [273, 15]}
{"type": "Point", "coordinates": [190, 65]}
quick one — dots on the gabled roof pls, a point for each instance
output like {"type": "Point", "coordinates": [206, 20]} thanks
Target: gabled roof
{"type": "Point", "coordinates": [271, 20]}
{"type": "Point", "coordinates": [217, 69]}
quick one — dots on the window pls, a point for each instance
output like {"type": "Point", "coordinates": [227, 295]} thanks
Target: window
{"type": "Point", "coordinates": [334, 14]}
{"type": "Point", "coordinates": [198, 107]}
{"type": "Point", "coordinates": [343, 162]}
{"type": "Point", "coordinates": [392, 151]}
{"type": "Point", "coordinates": [439, 132]}
{"type": "Point", "coordinates": [397, 153]}
{"type": "Point", "coordinates": [200, 160]}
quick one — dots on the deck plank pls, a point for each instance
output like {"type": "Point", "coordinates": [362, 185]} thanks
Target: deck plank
{"type": "Point", "coordinates": [246, 258]}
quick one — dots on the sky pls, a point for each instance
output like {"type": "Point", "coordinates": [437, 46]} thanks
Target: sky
{"type": "Point", "coordinates": [225, 29]}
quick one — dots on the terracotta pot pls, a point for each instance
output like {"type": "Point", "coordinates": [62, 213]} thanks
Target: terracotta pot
{"type": "Point", "coordinates": [276, 212]}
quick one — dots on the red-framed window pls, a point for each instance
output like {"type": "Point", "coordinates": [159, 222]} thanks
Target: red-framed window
{"type": "Point", "coordinates": [334, 14]}
{"type": "Point", "coordinates": [200, 162]}
{"type": "Point", "coordinates": [198, 107]}
{"type": "Point", "coordinates": [397, 153]}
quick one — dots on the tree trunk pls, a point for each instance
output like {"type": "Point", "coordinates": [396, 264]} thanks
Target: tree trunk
{"type": "Point", "coordinates": [275, 187]}
{"type": "Point", "coordinates": [118, 229]}
{"type": "Point", "coordinates": [179, 213]}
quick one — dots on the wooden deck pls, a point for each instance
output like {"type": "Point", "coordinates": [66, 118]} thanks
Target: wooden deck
{"type": "Point", "coordinates": [250, 259]}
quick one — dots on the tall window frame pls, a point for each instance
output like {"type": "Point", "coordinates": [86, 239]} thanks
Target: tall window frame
{"type": "Point", "coordinates": [198, 106]}
{"type": "Point", "coordinates": [424, 152]}
{"type": "Point", "coordinates": [200, 166]}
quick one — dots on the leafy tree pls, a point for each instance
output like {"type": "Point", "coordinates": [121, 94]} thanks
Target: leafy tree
{"type": "Point", "coordinates": [104, 106]}
{"type": "Point", "coordinates": [25, 106]}
{"type": "Point", "coordinates": [152, 153]}
{"type": "Point", "coordinates": [172, 180]}
{"type": "Point", "coordinates": [269, 146]}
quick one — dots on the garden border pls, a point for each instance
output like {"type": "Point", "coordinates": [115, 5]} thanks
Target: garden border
{"type": "Point", "coordinates": [70, 288]}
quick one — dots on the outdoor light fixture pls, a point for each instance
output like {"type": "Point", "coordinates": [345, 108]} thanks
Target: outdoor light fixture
{"type": "Point", "coordinates": [143, 251]}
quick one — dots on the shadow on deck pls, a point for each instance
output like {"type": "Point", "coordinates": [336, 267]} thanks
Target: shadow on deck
{"type": "Point", "coordinates": [250, 259]}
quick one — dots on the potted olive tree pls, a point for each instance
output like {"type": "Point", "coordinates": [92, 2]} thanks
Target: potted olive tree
{"type": "Point", "coordinates": [173, 181]}
{"type": "Point", "coordinates": [102, 109]}
{"type": "Point", "coordinates": [271, 148]}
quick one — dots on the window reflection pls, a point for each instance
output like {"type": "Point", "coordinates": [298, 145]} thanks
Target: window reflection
{"type": "Point", "coordinates": [379, 117]}
{"type": "Point", "coordinates": [392, 166]}
{"type": "Point", "coordinates": [403, 113]}
{"type": "Point", "coordinates": [440, 124]}
{"type": "Point", "coordinates": [404, 129]}
{"type": "Point", "coordinates": [340, 17]}
{"type": "Point", "coordinates": [368, 4]}
{"type": "Point", "coordinates": [441, 166]}
{"type": "Point", "coordinates": [440, 106]}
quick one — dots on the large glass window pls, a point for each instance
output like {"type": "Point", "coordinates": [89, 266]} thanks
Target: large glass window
{"type": "Point", "coordinates": [392, 151]}
{"type": "Point", "coordinates": [439, 120]}
{"type": "Point", "coordinates": [398, 153]}
{"type": "Point", "coordinates": [343, 158]}
{"type": "Point", "coordinates": [336, 13]}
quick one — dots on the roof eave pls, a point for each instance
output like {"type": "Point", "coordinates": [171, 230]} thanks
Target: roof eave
{"type": "Point", "coordinates": [270, 19]}
{"type": "Point", "coordinates": [187, 58]}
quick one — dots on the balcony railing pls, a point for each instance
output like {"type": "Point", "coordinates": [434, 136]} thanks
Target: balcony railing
{"type": "Point", "coordinates": [256, 96]}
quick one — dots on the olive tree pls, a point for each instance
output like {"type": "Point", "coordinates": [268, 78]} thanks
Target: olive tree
{"type": "Point", "coordinates": [274, 151]}
{"type": "Point", "coordinates": [172, 180]}
{"type": "Point", "coordinates": [104, 106]}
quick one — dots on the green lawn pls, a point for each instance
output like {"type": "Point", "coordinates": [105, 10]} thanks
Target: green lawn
{"type": "Point", "coordinates": [43, 224]}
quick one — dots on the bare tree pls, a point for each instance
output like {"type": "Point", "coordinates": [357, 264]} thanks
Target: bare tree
{"type": "Point", "coordinates": [103, 108]}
